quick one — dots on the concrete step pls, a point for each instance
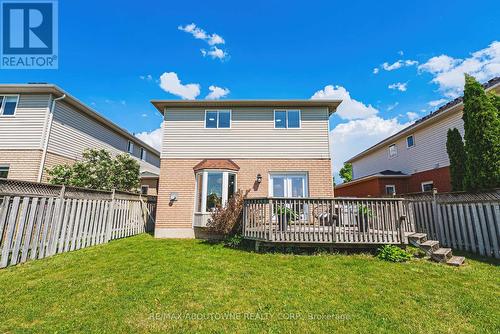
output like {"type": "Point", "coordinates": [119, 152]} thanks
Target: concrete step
{"type": "Point", "coordinates": [442, 254]}
{"type": "Point", "coordinates": [430, 246]}
{"type": "Point", "coordinates": [456, 261]}
{"type": "Point", "coordinates": [417, 238]}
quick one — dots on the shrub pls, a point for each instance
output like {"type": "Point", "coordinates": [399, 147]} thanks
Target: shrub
{"type": "Point", "coordinates": [228, 220]}
{"type": "Point", "coordinates": [393, 254]}
{"type": "Point", "coordinates": [234, 241]}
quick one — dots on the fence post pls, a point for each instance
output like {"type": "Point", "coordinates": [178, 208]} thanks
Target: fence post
{"type": "Point", "coordinates": [437, 216]}
{"type": "Point", "coordinates": [54, 240]}
{"type": "Point", "coordinates": [111, 213]}
{"type": "Point", "coordinates": [402, 220]}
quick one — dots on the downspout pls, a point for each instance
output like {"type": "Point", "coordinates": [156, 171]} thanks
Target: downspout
{"type": "Point", "coordinates": [47, 137]}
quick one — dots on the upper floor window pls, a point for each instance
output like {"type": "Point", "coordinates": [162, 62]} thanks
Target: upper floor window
{"type": "Point", "coordinates": [4, 172]}
{"type": "Point", "coordinates": [130, 147]}
{"type": "Point", "coordinates": [286, 119]}
{"type": "Point", "coordinates": [410, 141]}
{"type": "Point", "coordinates": [8, 105]}
{"type": "Point", "coordinates": [393, 151]}
{"type": "Point", "coordinates": [217, 119]}
{"type": "Point", "coordinates": [143, 154]}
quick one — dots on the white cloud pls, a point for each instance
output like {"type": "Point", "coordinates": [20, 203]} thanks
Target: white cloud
{"type": "Point", "coordinates": [351, 138]}
{"type": "Point", "coordinates": [215, 53]}
{"type": "Point", "coordinates": [399, 86]}
{"type": "Point", "coordinates": [152, 138]}
{"type": "Point", "coordinates": [396, 65]}
{"type": "Point", "coordinates": [392, 106]}
{"type": "Point", "coordinates": [436, 103]}
{"type": "Point", "coordinates": [198, 33]}
{"type": "Point", "coordinates": [144, 115]}
{"type": "Point", "coordinates": [349, 108]}
{"type": "Point", "coordinates": [211, 39]}
{"type": "Point", "coordinates": [216, 93]}
{"type": "Point", "coordinates": [147, 77]}
{"type": "Point", "coordinates": [170, 83]}
{"type": "Point", "coordinates": [401, 53]}
{"type": "Point", "coordinates": [412, 116]}
{"type": "Point", "coordinates": [448, 72]}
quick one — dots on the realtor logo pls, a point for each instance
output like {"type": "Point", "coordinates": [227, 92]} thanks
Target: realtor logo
{"type": "Point", "coordinates": [29, 34]}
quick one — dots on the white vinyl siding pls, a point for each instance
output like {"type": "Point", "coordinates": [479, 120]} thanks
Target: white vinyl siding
{"type": "Point", "coordinates": [73, 132]}
{"type": "Point", "coordinates": [24, 130]}
{"type": "Point", "coordinates": [252, 135]}
{"type": "Point", "coordinates": [429, 153]}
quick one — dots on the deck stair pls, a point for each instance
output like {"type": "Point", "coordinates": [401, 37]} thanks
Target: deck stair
{"type": "Point", "coordinates": [432, 248]}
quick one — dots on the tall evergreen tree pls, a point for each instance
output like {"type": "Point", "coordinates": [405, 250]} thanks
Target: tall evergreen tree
{"type": "Point", "coordinates": [482, 137]}
{"type": "Point", "coordinates": [456, 153]}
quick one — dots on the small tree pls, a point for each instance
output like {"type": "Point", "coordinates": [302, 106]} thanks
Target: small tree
{"type": "Point", "coordinates": [482, 137]}
{"type": "Point", "coordinates": [346, 172]}
{"type": "Point", "coordinates": [456, 154]}
{"type": "Point", "coordinates": [227, 220]}
{"type": "Point", "coordinates": [98, 170]}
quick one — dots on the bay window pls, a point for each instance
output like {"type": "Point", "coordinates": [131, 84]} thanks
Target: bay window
{"type": "Point", "coordinates": [213, 188]}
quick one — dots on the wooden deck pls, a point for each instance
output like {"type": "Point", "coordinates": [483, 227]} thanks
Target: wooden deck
{"type": "Point", "coordinates": [340, 221]}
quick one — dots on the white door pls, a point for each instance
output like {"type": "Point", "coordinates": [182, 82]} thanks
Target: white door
{"type": "Point", "coordinates": [288, 185]}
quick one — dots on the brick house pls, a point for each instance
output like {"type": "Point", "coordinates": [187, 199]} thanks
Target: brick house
{"type": "Point", "coordinates": [41, 126]}
{"type": "Point", "coordinates": [412, 160]}
{"type": "Point", "coordinates": [210, 149]}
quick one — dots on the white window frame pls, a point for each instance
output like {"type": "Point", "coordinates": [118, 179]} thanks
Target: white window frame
{"type": "Point", "coordinates": [426, 183]}
{"type": "Point", "coordinates": [413, 141]}
{"type": "Point", "coordinates": [204, 187]}
{"type": "Point", "coordinates": [389, 151]}
{"type": "Point", "coordinates": [287, 175]}
{"type": "Point", "coordinates": [3, 105]}
{"type": "Point", "coordinates": [217, 119]}
{"type": "Point", "coordinates": [143, 154]}
{"type": "Point", "coordinates": [130, 147]}
{"type": "Point", "coordinates": [286, 125]}
{"type": "Point", "coordinates": [144, 186]}
{"type": "Point", "coordinates": [393, 186]}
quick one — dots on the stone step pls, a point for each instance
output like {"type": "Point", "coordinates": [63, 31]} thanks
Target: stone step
{"type": "Point", "coordinates": [456, 261]}
{"type": "Point", "coordinates": [430, 246]}
{"type": "Point", "coordinates": [417, 238]}
{"type": "Point", "coordinates": [442, 254]}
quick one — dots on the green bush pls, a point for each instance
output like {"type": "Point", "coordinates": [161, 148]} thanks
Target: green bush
{"type": "Point", "coordinates": [393, 254]}
{"type": "Point", "coordinates": [233, 241]}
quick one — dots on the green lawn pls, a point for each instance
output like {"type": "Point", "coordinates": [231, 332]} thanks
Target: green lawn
{"type": "Point", "coordinates": [141, 284]}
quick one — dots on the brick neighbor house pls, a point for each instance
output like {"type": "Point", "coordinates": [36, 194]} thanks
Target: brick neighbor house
{"type": "Point", "coordinates": [412, 160]}
{"type": "Point", "coordinates": [210, 149]}
{"type": "Point", "coordinates": [41, 126]}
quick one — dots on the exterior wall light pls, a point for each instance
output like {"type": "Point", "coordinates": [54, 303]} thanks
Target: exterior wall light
{"type": "Point", "coordinates": [259, 178]}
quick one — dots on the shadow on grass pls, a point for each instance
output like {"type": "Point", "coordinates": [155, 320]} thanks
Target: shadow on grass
{"type": "Point", "coordinates": [477, 257]}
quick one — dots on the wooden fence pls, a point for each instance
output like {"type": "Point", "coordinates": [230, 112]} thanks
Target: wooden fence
{"type": "Point", "coordinates": [39, 220]}
{"type": "Point", "coordinates": [463, 221]}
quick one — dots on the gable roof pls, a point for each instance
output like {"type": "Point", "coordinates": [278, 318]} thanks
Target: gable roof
{"type": "Point", "coordinates": [45, 88]}
{"type": "Point", "coordinates": [161, 105]}
{"type": "Point", "coordinates": [491, 84]}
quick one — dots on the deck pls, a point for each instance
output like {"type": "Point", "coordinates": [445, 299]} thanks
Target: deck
{"type": "Point", "coordinates": [334, 221]}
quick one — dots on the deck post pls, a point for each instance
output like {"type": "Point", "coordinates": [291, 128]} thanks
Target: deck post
{"type": "Point", "coordinates": [270, 235]}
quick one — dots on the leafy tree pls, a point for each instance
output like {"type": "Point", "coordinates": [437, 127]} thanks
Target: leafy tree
{"type": "Point", "coordinates": [456, 153]}
{"type": "Point", "coordinates": [98, 170]}
{"type": "Point", "coordinates": [346, 172]}
{"type": "Point", "coordinates": [482, 137]}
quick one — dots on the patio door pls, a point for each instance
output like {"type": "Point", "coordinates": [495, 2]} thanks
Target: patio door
{"type": "Point", "coordinates": [290, 185]}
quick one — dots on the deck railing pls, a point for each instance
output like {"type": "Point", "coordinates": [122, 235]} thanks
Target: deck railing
{"type": "Point", "coordinates": [328, 220]}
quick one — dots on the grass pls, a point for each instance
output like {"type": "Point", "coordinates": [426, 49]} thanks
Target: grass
{"type": "Point", "coordinates": [141, 284]}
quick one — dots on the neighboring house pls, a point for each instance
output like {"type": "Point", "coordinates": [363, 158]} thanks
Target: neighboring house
{"type": "Point", "coordinates": [211, 149]}
{"type": "Point", "coordinates": [412, 160]}
{"type": "Point", "coordinates": [42, 126]}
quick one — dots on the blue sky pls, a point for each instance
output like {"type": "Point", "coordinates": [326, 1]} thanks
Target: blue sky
{"type": "Point", "coordinates": [113, 53]}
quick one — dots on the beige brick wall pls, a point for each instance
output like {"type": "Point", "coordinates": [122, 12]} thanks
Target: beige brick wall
{"type": "Point", "coordinates": [152, 186]}
{"type": "Point", "coordinates": [52, 160]}
{"type": "Point", "coordinates": [177, 175]}
{"type": "Point", "coordinates": [23, 164]}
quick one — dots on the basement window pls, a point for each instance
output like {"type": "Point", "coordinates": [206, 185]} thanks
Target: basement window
{"type": "Point", "coordinates": [427, 186]}
{"type": "Point", "coordinates": [390, 189]}
{"type": "Point", "coordinates": [4, 172]}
